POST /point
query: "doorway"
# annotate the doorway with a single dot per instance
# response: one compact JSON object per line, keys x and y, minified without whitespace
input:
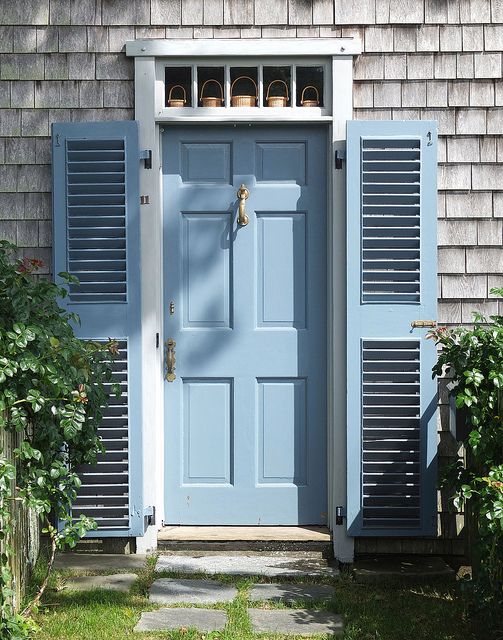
{"x":245,"y":324}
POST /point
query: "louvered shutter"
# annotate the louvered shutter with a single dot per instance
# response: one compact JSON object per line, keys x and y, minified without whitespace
{"x":391,"y":282}
{"x":97,"y":239}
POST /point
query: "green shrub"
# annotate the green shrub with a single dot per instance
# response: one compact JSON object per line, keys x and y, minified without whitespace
{"x":52,"y":392}
{"x":473,"y":357}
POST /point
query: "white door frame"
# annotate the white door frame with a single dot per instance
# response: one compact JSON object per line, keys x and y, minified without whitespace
{"x":149,"y":88}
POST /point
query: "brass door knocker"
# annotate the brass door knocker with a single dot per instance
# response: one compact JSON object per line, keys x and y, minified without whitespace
{"x":242,"y":194}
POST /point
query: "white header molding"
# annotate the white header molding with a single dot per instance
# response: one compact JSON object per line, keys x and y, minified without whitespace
{"x":244,"y":47}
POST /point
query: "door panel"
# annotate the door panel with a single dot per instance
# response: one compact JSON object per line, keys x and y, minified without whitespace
{"x":206,"y":299}
{"x":246,"y":413}
{"x":281,"y":273}
{"x":207,"y":428}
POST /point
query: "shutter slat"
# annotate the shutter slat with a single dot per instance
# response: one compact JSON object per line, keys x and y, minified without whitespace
{"x":378,"y":452}
{"x":96,"y":177}
{"x":392,"y":166}
{"x":115,"y":460}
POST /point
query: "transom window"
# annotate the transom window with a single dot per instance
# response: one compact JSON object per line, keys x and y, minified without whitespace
{"x":214,"y":87}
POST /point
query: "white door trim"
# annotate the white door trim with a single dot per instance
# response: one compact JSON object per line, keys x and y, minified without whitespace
{"x":238,"y":47}
{"x":150,"y":125}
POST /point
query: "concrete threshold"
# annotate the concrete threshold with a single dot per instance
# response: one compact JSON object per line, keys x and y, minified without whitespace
{"x":243,"y":534}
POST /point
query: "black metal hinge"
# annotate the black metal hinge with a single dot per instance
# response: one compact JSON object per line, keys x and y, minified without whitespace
{"x":149,"y":513}
{"x":340,"y":155}
{"x":340,"y":514}
{"x":146,"y":156}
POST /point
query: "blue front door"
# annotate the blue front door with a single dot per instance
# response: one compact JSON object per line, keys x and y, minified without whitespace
{"x":246,"y":306}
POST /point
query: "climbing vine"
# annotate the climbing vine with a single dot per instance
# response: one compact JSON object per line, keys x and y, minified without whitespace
{"x":53,"y":387}
{"x":473,"y":357}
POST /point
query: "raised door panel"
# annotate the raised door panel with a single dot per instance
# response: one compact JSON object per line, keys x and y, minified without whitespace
{"x":206,"y":270}
{"x":281,"y":279}
{"x":207,"y":431}
{"x":206,"y":162}
{"x":282,"y":437}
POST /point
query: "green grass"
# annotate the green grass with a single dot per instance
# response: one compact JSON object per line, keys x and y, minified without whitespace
{"x":384,"y":611}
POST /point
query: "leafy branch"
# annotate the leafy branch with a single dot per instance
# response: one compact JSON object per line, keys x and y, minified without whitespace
{"x":53,"y":388}
{"x":473,"y":358}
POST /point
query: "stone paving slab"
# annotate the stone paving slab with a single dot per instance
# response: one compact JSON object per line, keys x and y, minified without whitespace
{"x":302,"y":622}
{"x":116,"y":582}
{"x":100,"y":561}
{"x":258,"y":565}
{"x":171,"y":619}
{"x":289,"y":593}
{"x":171,"y":591}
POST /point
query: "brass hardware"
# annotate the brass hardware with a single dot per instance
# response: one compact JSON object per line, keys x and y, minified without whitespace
{"x":420,"y":324}
{"x":170,"y":360}
{"x":242,"y":194}
{"x":171,"y":308}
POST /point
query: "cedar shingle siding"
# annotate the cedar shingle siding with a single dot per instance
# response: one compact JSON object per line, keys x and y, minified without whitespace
{"x":63,"y":60}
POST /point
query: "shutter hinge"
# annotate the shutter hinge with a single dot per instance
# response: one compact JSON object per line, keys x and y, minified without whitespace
{"x":340,"y":155}
{"x":149,"y":513}
{"x":340,"y":514}
{"x":157,"y":341}
{"x":146,"y":156}
{"x":144,"y":199}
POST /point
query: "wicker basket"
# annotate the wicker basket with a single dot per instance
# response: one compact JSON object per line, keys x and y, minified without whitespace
{"x":310,"y":102}
{"x":212,"y":101}
{"x":242,"y":100}
{"x":177,"y":102}
{"x":277,"y":101}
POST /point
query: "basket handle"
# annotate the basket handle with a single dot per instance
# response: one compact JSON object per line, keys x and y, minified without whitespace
{"x":246,"y":78}
{"x":178,"y":86}
{"x":217,"y":82}
{"x":282,"y":82}
{"x":309,"y":86}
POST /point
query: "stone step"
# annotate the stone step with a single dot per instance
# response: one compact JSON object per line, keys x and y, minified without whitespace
{"x":114,"y":582}
{"x":256,"y":546}
{"x":298,"y":622}
{"x":177,"y":591}
{"x":223,"y":540}
{"x":173,"y":619}
{"x":99,"y":561}
{"x":279,"y":565}
{"x":305,"y":622}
